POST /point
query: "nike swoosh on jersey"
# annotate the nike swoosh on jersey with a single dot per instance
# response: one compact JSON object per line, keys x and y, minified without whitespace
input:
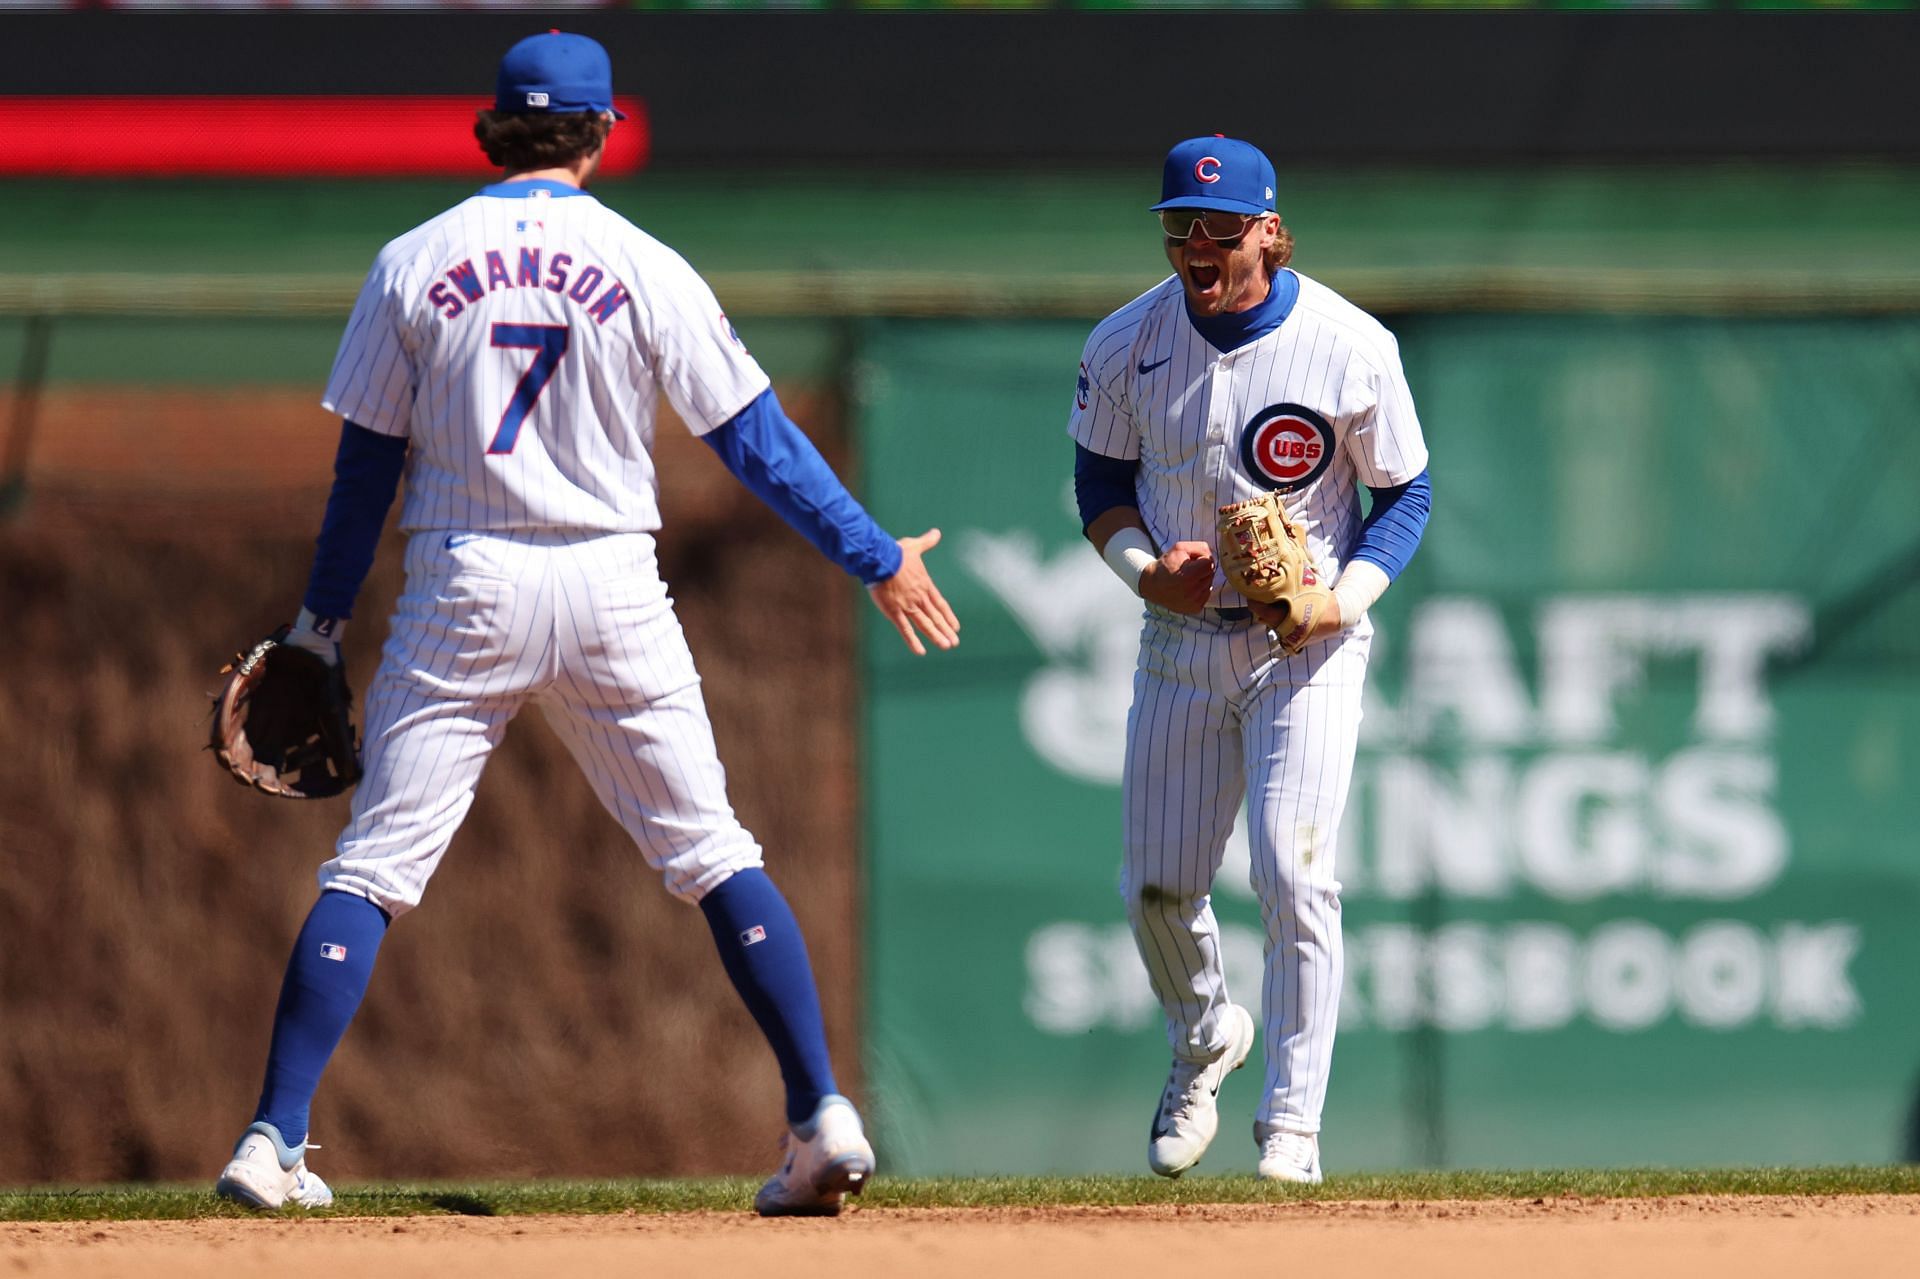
{"x":1146,"y":368}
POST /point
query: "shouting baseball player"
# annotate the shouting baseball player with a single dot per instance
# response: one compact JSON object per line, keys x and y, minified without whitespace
{"x":507,"y":355}
{"x":1236,"y":378}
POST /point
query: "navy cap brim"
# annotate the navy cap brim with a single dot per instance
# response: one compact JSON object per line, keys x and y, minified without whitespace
{"x":1211,"y":202}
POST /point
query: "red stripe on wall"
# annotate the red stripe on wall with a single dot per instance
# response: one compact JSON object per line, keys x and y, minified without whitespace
{"x":267,"y":137}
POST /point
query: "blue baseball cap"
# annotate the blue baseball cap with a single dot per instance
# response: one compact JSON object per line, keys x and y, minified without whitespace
{"x":1217,"y":172}
{"x":555,"y":71}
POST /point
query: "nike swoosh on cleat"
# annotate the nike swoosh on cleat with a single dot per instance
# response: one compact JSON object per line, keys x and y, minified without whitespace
{"x":1146,"y":368}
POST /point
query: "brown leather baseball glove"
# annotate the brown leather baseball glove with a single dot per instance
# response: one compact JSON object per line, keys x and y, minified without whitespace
{"x":1264,"y":557}
{"x":283,"y":722}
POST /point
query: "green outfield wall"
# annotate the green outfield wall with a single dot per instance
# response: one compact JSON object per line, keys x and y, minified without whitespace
{"x":1839,"y":221}
{"x":1630,"y":871}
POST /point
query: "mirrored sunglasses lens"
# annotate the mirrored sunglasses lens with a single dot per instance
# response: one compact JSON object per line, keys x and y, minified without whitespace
{"x":1178,"y":223}
{"x":1224,"y":226}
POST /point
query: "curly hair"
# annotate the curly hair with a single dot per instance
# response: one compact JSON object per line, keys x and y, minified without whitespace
{"x":521,"y":142}
{"x":1280,"y":252}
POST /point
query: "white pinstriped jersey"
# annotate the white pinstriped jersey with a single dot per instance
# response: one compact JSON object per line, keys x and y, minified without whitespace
{"x":1313,"y":409}
{"x":520,"y":342}
{"x":1221,"y":713}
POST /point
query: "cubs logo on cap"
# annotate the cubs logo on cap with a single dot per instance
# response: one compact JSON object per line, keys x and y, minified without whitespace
{"x":1286,"y":445}
{"x":555,"y":71}
{"x":1217,"y":172}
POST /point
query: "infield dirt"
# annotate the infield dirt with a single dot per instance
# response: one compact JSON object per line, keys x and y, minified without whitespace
{"x":1679,"y":1238}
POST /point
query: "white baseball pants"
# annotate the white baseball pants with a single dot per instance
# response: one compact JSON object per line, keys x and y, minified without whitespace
{"x":580,"y":623}
{"x":1220,"y":712}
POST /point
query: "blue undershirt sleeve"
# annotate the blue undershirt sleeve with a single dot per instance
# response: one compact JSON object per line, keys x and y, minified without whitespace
{"x":1101,"y":483}
{"x":1393,"y":528}
{"x":779,"y":465}
{"x":366,"y":474}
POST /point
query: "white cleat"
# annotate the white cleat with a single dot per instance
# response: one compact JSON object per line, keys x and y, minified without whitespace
{"x":1288,"y":1156}
{"x":266,"y":1173}
{"x":828,"y":1157}
{"x":1189,"y":1113}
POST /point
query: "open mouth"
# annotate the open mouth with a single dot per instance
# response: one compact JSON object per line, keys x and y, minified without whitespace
{"x":1203,"y":275}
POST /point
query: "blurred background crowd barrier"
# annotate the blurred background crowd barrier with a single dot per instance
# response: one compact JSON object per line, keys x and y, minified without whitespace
{"x":1629,"y":866}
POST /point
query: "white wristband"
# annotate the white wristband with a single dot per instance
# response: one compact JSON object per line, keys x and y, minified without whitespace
{"x":1361,"y":583}
{"x":1128,"y":553}
{"x":327,"y":628}
{"x":318,"y":635}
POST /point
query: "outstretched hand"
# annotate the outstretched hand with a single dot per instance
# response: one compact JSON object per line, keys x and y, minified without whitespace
{"x":910,"y":600}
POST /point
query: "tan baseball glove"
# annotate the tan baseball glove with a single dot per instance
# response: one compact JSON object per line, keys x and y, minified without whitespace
{"x":1264,"y":557}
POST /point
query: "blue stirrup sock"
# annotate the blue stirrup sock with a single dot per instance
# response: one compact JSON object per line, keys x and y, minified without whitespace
{"x":763,"y":952}
{"x":325,"y":981}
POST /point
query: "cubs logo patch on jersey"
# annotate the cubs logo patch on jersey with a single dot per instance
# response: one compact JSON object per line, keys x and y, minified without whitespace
{"x":1286,"y":446}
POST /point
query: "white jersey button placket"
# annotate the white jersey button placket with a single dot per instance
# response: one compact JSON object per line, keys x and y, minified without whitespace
{"x":1219,"y":428}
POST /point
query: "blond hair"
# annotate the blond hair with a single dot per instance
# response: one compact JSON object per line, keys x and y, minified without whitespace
{"x":1280,"y":252}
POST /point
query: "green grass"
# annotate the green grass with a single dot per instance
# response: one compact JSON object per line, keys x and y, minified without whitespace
{"x":735,"y":1194}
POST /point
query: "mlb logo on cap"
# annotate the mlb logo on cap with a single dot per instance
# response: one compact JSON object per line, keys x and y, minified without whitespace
{"x":555,"y":71}
{"x":1217,"y":173}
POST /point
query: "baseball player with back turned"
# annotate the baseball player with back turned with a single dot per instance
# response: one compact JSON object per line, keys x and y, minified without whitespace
{"x":508,"y":355}
{"x":1235,"y":377}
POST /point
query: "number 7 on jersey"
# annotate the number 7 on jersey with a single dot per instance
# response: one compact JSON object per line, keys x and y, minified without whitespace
{"x":548,"y":342}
